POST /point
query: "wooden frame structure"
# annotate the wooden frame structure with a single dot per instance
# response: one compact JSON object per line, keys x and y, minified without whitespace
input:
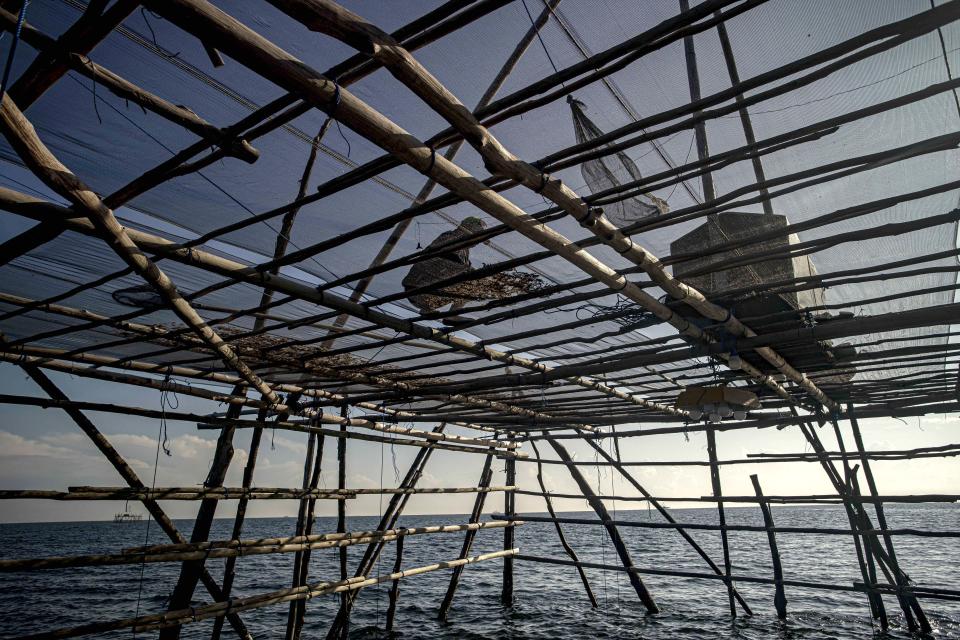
{"x":500,"y":402}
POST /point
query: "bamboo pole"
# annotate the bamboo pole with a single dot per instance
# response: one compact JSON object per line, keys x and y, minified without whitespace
{"x":80,"y":38}
{"x":35,"y":208}
{"x":563,"y":539}
{"x":236,"y":548}
{"x":718,"y":494}
{"x":178,"y":115}
{"x":903,"y":581}
{"x":485,"y":477}
{"x":190,"y":570}
{"x":610,"y":526}
{"x":780,"y":598}
{"x":947,"y":594}
{"x":395,"y":587}
{"x":877,"y":609}
{"x":330,"y":18}
{"x":301,"y":529}
{"x":429,"y":186}
{"x":229,"y":566}
{"x":506,"y":593}
{"x":700,"y":129}
{"x":389,"y":518}
{"x":342,"y":526}
{"x":925,"y":533}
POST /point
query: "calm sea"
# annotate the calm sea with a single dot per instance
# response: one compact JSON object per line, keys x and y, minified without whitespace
{"x":549,"y":599}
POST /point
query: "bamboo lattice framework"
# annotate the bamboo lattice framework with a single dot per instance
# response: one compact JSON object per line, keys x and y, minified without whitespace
{"x":293,"y":314}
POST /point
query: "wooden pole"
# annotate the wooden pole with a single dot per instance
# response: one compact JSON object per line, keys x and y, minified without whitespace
{"x":387,"y":520}
{"x":342,"y":526}
{"x":604,"y":515}
{"x":780,"y":598}
{"x":485,"y":477}
{"x":190,"y":571}
{"x":229,"y":567}
{"x":395,"y":587}
{"x":718,"y":494}
{"x":301,"y":528}
{"x":700,"y":129}
{"x":509,"y":503}
{"x":23,"y":138}
{"x":902,"y":580}
{"x":745,"y":121}
{"x":876,"y":608}
{"x":563,"y":539}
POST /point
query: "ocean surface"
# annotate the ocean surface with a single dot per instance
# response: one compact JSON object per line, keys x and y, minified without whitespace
{"x":550,"y":602}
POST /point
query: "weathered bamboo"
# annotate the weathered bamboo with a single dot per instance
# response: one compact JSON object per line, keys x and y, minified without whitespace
{"x":210,"y":422}
{"x":237,"y":549}
{"x":609,"y":524}
{"x":229,"y":566}
{"x":877,"y":608}
{"x":780,"y":598}
{"x":563,"y":539}
{"x":925,"y":533}
{"x":485,"y":477}
{"x":80,"y":38}
{"x":35,"y":208}
{"x":301,"y":530}
{"x":429,"y":186}
{"x":806,"y":584}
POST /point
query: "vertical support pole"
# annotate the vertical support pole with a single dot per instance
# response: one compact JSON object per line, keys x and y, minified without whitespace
{"x":395,"y":587}
{"x":342,"y":527}
{"x":311,"y":518}
{"x":806,"y":429}
{"x":748,"y":133}
{"x":509,"y":506}
{"x":901,"y":579}
{"x":563,"y":539}
{"x":190,"y":570}
{"x":478,"y":502}
{"x":721,"y":514}
{"x":301,"y":528}
{"x":387,"y":521}
{"x":604,"y":516}
{"x":700,"y":129}
{"x":780,"y":598}
{"x":229,"y":568}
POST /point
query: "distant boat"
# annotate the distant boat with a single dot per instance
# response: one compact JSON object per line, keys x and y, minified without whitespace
{"x":126,"y":516}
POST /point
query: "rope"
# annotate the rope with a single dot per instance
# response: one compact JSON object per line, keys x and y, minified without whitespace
{"x":21,"y":18}
{"x":161,"y":442}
